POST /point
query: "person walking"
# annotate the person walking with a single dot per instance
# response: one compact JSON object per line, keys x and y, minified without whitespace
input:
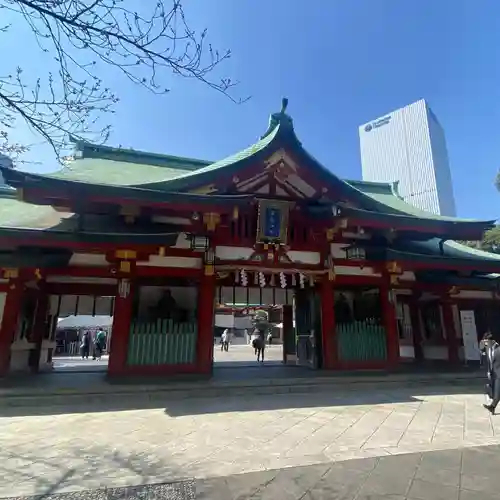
{"x":225,"y":339}
{"x":490,"y":350}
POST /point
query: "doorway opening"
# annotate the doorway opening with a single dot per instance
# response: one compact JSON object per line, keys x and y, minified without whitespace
{"x":290,"y":330}
{"x":80,"y":333}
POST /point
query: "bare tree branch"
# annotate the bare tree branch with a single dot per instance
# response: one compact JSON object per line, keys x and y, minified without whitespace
{"x":84,"y":35}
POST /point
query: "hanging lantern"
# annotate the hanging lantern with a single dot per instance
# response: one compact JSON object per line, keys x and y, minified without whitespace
{"x":354,"y":252}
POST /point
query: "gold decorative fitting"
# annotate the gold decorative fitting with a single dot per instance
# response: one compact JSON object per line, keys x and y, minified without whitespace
{"x":126,"y":254}
{"x":211,"y":220}
{"x":394,"y":279}
{"x":209,"y":270}
{"x":331,"y":274}
{"x":38,"y":274}
{"x":265,"y":246}
{"x":210,"y":188}
{"x":394,"y":267}
{"x":125,"y":266}
{"x":161,"y":251}
{"x":11,"y":273}
{"x":236,"y":213}
{"x":130,"y":211}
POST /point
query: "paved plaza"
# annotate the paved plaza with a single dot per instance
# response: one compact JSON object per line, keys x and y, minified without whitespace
{"x":420,"y":444}
{"x":244,"y":355}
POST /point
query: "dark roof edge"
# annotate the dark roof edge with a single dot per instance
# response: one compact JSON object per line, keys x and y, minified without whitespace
{"x":90,"y":150}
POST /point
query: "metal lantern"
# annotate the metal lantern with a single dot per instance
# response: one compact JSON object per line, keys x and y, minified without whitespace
{"x":199,"y":242}
{"x":354,"y":252}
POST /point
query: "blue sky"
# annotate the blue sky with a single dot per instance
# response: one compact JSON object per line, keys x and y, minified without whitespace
{"x":340,"y":63}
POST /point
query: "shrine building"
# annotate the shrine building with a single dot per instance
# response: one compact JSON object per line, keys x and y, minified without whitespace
{"x":158,"y":242}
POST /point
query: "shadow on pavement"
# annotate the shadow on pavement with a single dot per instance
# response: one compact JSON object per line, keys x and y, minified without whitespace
{"x":468,"y":473}
{"x":327,"y":396}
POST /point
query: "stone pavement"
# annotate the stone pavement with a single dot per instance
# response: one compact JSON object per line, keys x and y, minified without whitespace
{"x":242,"y":355}
{"x":280,"y":446}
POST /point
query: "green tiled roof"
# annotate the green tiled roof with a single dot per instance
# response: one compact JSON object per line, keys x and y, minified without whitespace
{"x":117,"y":173}
{"x":18,"y":214}
{"x":88,"y":150}
{"x":183,"y":180}
{"x":387,"y":195}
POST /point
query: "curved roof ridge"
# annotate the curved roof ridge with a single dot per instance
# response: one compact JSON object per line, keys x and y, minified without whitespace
{"x":260,"y":145}
{"x":387,"y":186}
{"x":455,"y":245}
{"x":81,"y":145}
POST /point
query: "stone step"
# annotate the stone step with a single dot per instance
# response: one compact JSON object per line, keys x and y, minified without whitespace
{"x":153,"y":394}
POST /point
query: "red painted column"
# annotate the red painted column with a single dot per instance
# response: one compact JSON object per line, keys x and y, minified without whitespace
{"x":10,"y":320}
{"x":451,"y":333}
{"x":415,"y":328}
{"x":391,"y":328}
{"x":205,"y":341}
{"x":39,"y":327}
{"x":328,"y":334}
{"x":122,"y":318}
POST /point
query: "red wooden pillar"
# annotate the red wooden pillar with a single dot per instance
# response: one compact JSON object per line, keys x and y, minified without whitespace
{"x":205,"y":341}
{"x":391,"y":327}
{"x":328,"y":334}
{"x":451,"y":332}
{"x":10,"y":320}
{"x":122,"y":318}
{"x":415,"y":327}
{"x":288,"y":334}
{"x":39,"y":327}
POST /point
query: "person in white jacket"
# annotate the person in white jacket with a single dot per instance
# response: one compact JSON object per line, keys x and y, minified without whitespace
{"x":225,"y":340}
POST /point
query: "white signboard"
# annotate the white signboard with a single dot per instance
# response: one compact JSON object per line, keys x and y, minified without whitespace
{"x":469,"y":334}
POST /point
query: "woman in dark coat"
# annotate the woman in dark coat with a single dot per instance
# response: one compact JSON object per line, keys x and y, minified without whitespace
{"x":85,"y":346}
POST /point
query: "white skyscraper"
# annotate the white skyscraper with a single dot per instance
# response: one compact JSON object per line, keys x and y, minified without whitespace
{"x":409,"y":146}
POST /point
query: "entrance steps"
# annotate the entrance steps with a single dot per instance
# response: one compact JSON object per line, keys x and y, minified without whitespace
{"x":94,"y":389}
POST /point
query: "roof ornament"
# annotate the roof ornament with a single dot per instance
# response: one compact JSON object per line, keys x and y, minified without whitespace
{"x":284,"y":105}
{"x":280,"y":118}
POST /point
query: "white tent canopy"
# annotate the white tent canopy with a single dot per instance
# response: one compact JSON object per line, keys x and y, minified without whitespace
{"x":84,"y":321}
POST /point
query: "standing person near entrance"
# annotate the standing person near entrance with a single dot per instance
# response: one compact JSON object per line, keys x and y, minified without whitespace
{"x":491,"y":351}
{"x":225,"y":340}
{"x":99,"y":343}
{"x":85,"y":345}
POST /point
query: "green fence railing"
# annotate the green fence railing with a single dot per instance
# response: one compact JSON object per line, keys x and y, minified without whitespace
{"x":162,"y":342}
{"x":360,"y":341}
